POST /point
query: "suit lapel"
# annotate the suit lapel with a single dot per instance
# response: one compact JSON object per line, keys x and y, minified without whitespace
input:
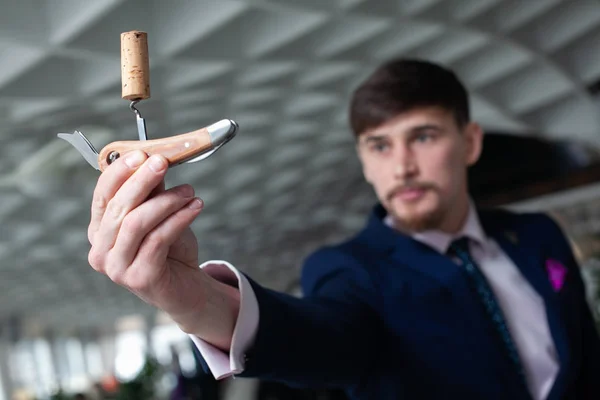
{"x":403,"y":250}
{"x":529,"y":258}
{"x":427,"y":261}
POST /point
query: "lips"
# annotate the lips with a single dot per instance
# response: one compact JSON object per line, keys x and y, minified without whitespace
{"x":409,"y":194}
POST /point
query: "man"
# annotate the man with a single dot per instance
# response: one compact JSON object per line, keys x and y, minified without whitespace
{"x":432,"y":299}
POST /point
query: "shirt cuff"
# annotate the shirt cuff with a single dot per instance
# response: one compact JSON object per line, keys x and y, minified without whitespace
{"x":221,"y":364}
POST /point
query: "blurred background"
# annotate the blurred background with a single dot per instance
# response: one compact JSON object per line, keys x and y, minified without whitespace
{"x":288,"y":183}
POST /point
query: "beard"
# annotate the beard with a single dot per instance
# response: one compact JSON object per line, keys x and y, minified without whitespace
{"x":412,"y":219}
{"x":416,"y":222}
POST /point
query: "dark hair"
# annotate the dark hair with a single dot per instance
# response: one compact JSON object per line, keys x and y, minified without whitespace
{"x":401,"y":85}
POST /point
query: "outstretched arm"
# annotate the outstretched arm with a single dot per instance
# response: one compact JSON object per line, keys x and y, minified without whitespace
{"x":141,"y":240}
{"x":331,"y":337}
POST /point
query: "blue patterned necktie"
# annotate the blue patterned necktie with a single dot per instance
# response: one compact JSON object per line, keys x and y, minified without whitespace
{"x":460,"y":249}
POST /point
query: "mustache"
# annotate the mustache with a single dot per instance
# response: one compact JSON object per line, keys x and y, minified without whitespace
{"x":409,"y":186}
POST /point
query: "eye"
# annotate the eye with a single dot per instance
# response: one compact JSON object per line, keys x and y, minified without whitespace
{"x":423,"y":137}
{"x":380,"y":147}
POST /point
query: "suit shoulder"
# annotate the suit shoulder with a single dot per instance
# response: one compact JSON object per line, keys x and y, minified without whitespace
{"x":535,"y":219}
{"x":342,"y":259}
{"x":539,"y":221}
{"x":540,"y":227}
{"x":344,"y":252}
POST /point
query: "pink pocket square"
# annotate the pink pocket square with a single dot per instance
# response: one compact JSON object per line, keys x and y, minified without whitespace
{"x":557,"y":273}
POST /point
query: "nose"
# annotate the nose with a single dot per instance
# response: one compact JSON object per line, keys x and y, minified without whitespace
{"x":406,"y":166}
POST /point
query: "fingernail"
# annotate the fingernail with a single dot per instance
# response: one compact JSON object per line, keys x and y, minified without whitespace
{"x":196,"y":204}
{"x":157,"y":163}
{"x":134,"y":159}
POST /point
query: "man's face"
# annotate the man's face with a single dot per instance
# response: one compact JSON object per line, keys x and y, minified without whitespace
{"x":417,"y":164}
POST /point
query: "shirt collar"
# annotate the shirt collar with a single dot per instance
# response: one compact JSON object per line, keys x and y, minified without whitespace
{"x":440,"y":241}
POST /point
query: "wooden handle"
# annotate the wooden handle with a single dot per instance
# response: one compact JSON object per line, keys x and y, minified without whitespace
{"x":135,"y":66}
{"x":176,"y":149}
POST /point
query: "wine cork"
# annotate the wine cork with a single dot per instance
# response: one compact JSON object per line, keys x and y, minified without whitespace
{"x":135,"y":66}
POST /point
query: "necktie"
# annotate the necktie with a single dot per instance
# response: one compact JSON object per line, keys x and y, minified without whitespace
{"x":460,"y":249}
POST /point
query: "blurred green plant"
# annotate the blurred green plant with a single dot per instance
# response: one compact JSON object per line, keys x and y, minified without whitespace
{"x":143,"y":386}
{"x":60,"y":395}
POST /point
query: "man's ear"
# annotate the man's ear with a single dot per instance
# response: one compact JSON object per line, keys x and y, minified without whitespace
{"x":474,"y":143}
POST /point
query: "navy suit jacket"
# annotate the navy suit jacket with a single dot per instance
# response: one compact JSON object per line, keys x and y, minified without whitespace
{"x":386,"y":317}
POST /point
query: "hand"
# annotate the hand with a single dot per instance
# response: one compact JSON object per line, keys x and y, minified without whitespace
{"x":141,"y":240}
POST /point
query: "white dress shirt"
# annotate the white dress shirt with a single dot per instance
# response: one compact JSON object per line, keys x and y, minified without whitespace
{"x":523,"y":309}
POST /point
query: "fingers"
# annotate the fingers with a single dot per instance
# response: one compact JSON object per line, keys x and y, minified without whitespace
{"x":109,"y":182}
{"x":117,"y":195}
{"x":155,"y":246}
{"x":131,"y":194}
{"x":157,"y":190}
{"x":143,"y":219}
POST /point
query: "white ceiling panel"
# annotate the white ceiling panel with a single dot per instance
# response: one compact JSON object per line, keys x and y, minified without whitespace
{"x":283,"y":69}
